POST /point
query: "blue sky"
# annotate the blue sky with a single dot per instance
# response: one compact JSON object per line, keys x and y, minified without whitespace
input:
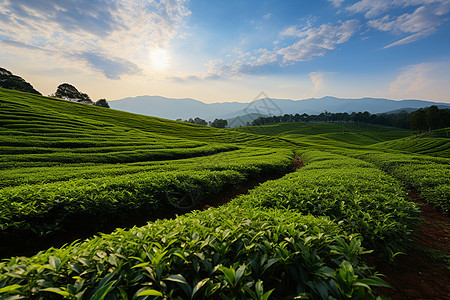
{"x":218,"y":51}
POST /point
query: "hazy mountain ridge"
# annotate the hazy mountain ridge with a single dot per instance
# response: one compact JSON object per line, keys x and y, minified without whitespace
{"x":186,"y":108}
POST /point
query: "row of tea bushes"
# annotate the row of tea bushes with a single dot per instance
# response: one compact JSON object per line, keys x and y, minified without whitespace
{"x":353,"y":193}
{"x":227,"y":253}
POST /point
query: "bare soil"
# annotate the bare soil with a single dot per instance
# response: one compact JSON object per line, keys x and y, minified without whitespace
{"x":421,"y":274}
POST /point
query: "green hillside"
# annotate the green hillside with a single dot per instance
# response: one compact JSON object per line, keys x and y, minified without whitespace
{"x":50,"y":117}
{"x":338,"y":134}
{"x":336,"y":192}
{"x":437,"y":144}
{"x":62,"y":162}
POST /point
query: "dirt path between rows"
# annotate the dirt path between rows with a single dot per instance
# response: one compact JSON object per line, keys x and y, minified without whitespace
{"x":419,"y":274}
{"x":225,"y":198}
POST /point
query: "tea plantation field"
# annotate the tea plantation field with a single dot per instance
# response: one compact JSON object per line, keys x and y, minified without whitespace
{"x":70,"y":170}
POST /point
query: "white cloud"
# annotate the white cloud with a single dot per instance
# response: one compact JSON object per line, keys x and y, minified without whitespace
{"x":426,"y":16}
{"x":315,"y":41}
{"x":245,"y":63}
{"x":422,"y":81}
{"x":336,"y":3}
{"x":267,"y":16}
{"x":423,"y":18}
{"x":412,"y":38}
{"x":371,"y":8}
{"x":121,"y":32}
{"x":311,"y":42}
{"x":317,"y":78}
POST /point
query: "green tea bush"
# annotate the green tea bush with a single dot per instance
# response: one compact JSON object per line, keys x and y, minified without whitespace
{"x":47,"y":208}
{"x":227,"y":253}
{"x":355,"y":194}
{"x":429,"y":175}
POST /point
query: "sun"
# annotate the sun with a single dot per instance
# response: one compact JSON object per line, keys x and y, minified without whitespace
{"x":159,"y":58}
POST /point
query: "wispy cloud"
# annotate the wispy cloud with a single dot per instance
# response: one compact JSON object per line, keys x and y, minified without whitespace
{"x":112,"y":68}
{"x":122,"y":31}
{"x":425,"y":80}
{"x":308,"y":43}
{"x":413,"y":78}
{"x":412,"y":38}
{"x":317,"y":78}
{"x":267,"y":16}
{"x":336,"y":3}
{"x":316,"y":41}
{"x":17,"y":44}
{"x":422,"y":21}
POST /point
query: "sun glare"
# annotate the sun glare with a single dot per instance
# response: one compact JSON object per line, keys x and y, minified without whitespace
{"x":159,"y":58}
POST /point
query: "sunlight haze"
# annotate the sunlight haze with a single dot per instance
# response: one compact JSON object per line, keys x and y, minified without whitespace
{"x":217,"y":51}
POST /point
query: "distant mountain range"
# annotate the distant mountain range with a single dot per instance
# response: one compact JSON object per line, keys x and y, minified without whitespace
{"x":186,"y":108}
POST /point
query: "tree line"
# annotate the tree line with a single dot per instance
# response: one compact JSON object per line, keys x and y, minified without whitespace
{"x":217,"y":123}
{"x":429,"y":118}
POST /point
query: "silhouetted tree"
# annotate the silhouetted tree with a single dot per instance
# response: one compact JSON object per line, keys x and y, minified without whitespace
{"x":433,"y":118}
{"x":219,"y":123}
{"x":199,"y":121}
{"x":418,"y":120}
{"x":69,"y":92}
{"x":102,"y":102}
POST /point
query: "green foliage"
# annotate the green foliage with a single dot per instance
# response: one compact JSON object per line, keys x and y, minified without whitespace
{"x":219,"y":123}
{"x":53,"y":121}
{"x":13,"y":82}
{"x":120,"y":194}
{"x":330,"y":134}
{"x":420,"y":144}
{"x":69,"y":92}
{"x":228,"y":252}
{"x":66,"y":166}
{"x":102,"y":103}
{"x":429,"y":175}
{"x":355,"y":194}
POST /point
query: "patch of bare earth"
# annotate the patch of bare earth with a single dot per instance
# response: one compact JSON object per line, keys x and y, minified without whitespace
{"x":419,"y":275}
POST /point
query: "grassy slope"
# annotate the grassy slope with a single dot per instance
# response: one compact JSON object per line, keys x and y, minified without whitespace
{"x":436,"y":144}
{"x":35,"y":128}
{"x":333,"y":134}
{"x":62,"y":161}
{"x":59,"y":116}
{"x":420,"y":162}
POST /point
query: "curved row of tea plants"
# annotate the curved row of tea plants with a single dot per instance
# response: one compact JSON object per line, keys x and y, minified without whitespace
{"x":48,"y":121}
{"x":135,"y":155}
{"x":228,"y":253}
{"x":43,"y":209}
{"x":429,"y":175}
{"x":420,"y":145}
{"x":251,"y":162}
{"x":354,"y":193}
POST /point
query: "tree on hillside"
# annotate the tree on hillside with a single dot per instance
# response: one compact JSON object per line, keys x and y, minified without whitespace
{"x":418,"y":120}
{"x":102,"y":102}
{"x":69,"y":92}
{"x":433,"y":118}
{"x":199,"y":121}
{"x":445,"y":117}
{"x":13,"y":82}
{"x":219,"y":123}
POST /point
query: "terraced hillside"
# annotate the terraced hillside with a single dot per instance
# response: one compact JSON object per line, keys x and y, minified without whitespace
{"x":63,"y":162}
{"x":329,"y":134}
{"x":69,"y":168}
{"x":435,"y":144}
